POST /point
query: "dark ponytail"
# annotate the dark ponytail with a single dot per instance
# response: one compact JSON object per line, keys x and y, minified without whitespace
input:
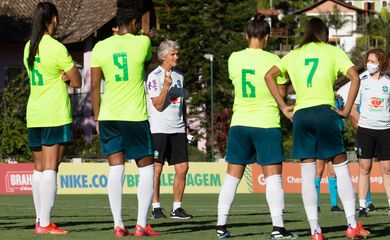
{"x":43,"y":15}
{"x":257,"y":27}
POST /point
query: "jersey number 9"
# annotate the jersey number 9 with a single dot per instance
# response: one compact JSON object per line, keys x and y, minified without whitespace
{"x":120,"y":60}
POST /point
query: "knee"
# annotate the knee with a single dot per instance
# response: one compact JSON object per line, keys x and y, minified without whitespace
{"x":364,"y":170}
{"x":181,"y":171}
{"x":385,"y":170}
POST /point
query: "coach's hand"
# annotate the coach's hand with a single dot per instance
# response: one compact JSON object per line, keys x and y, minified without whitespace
{"x":167,"y":81}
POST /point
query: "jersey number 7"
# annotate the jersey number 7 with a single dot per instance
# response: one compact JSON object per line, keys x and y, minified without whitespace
{"x":312,"y":71}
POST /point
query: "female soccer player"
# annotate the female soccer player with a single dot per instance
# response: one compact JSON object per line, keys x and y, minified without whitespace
{"x":254,"y":135}
{"x":313,"y":68}
{"x":49,"y":115}
{"x":121,"y":113}
{"x":373,"y":132}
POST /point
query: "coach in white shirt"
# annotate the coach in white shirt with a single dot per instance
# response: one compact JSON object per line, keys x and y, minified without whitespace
{"x":166,"y":108}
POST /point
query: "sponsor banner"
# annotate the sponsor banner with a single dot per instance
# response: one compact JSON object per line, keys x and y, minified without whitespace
{"x":292,"y":178}
{"x":92,"y":178}
{"x":16,"y":178}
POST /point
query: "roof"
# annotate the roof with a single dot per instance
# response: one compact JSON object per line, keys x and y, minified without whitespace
{"x":338,"y":2}
{"x":79,"y":19}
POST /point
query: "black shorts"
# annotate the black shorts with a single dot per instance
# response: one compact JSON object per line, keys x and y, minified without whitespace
{"x":371,"y":142}
{"x":171,"y":147}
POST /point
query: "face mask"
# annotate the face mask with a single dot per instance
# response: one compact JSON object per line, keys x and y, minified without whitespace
{"x":372,"y":68}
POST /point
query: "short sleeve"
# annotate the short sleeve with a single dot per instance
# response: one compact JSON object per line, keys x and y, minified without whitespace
{"x":63,"y":58}
{"x":343,"y":62}
{"x":281,"y":80}
{"x":231,"y":66}
{"x":94,"y":57}
{"x":152,"y":86}
{"x":282,"y":64}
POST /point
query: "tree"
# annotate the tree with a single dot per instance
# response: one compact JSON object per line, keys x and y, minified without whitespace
{"x":13,"y":130}
{"x":378,"y":27}
{"x":214,"y":27}
{"x":335,"y":20}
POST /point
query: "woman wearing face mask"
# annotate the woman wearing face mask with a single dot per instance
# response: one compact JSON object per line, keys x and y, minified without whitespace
{"x":373,"y":132}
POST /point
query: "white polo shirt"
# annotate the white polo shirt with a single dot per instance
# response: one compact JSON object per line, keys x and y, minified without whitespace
{"x":170,"y":119}
{"x":374,"y":101}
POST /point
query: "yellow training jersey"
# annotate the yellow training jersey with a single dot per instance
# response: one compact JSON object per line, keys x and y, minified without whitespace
{"x":254,"y":105}
{"x":48,"y":104}
{"x":122,"y":58}
{"x":313,"y":69}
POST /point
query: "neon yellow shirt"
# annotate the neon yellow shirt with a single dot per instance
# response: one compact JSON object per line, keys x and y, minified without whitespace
{"x":254,"y":105}
{"x":313,"y":69}
{"x":122,"y":58}
{"x":48,"y":104}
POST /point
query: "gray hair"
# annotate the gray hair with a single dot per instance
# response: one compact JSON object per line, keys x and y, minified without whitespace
{"x":165,"y":47}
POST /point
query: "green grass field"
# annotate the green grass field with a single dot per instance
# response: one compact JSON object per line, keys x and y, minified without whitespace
{"x":89,"y":217}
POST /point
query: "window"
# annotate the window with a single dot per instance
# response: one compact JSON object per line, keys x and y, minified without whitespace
{"x":384,"y":3}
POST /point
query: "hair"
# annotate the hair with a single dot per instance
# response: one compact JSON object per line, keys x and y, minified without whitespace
{"x":165,"y":47}
{"x":127,"y":10}
{"x":381,"y":55}
{"x":315,"y":31}
{"x":257,"y":27}
{"x":43,"y":15}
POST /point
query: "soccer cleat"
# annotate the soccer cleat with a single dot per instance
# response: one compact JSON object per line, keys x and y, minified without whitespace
{"x":282,"y":233}
{"x":121,"y":232}
{"x":358,"y":232}
{"x":157,"y":213}
{"x":370,"y":207}
{"x":318,"y":209}
{"x":388,"y":214}
{"x":51,"y":229}
{"x":317,"y":236}
{"x":222,"y":232}
{"x":180,"y":213}
{"x":363,"y":212}
{"x":146,"y":231}
{"x":336,"y":209}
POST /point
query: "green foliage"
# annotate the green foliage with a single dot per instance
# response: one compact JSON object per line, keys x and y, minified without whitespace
{"x":13,"y":130}
{"x":334,"y":19}
{"x":378,"y":27}
{"x":83,"y":148}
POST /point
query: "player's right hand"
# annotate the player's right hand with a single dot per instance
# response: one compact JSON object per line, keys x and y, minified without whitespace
{"x":288,"y":111}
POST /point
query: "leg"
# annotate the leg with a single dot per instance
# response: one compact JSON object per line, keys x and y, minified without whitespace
{"x":309,"y":196}
{"x":385,"y":168}
{"x":179,"y":182}
{"x":51,"y":157}
{"x":332,"y":186}
{"x":274,"y":193}
{"x":233,"y":176}
{"x":36,"y":180}
{"x":365,"y":166}
{"x":145,"y":188}
{"x":158,"y":167}
{"x":319,"y":171}
{"x":345,"y":187}
{"x":114,"y":188}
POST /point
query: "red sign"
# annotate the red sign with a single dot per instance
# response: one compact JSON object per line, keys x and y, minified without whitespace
{"x":292,"y":178}
{"x":16,"y":178}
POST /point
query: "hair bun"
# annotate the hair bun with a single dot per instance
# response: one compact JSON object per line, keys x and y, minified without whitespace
{"x":258,"y":17}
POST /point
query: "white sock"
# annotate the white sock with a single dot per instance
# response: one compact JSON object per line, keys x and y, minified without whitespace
{"x":145,"y":193}
{"x":362,"y":203}
{"x":36,"y":182}
{"x":275,"y":198}
{"x":47,"y":190}
{"x":114,"y":188}
{"x":309,"y":195}
{"x":389,"y":202}
{"x":156,"y":205}
{"x":346,"y":191}
{"x":176,"y":205}
{"x":226,"y":198}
